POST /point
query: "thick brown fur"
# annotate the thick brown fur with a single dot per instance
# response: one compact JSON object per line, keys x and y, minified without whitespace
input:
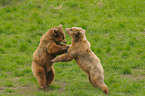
{"x":85,"y":58}
{"x":48,"y":48}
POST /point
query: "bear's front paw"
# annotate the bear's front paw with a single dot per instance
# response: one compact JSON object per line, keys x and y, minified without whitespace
{"x":43,"y":87}
{"x":67,"y":49}
{"x":51,"y":62}
{"x":68,"y":46}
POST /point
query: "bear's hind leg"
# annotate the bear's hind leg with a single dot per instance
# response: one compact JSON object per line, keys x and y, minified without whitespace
{"x":41,"y":76}
{"x":50,"y":76}
{"x":91,"y":80}
{"x":98,"y":81}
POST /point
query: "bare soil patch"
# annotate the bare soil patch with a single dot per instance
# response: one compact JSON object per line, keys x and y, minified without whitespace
{"x":137,"y":74}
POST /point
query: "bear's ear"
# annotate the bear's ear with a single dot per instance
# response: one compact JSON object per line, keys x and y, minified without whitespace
{"x":84,"y":31}
{"x":79,"y":33}
{"x":55,"y":30}
{"x":60,"y":25}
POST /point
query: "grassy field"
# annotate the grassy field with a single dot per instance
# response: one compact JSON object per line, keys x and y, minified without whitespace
{"x":115,"y":29}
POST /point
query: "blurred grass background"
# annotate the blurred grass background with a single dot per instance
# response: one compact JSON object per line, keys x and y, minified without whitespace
{"x":115,"y":29}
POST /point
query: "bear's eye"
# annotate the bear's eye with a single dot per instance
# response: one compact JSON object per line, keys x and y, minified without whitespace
{"x":63,"y":37}
{"x":70,"y":29}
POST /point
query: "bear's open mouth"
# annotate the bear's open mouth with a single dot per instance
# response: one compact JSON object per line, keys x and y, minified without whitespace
{"x":60,"y":43}
{"x":57,"y":43}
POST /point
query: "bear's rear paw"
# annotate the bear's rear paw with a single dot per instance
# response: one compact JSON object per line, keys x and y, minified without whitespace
{"x":43,"y":87}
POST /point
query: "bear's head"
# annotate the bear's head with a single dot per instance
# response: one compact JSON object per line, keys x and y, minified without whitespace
{"x":76,"y":33}
{"x":58,"y":34}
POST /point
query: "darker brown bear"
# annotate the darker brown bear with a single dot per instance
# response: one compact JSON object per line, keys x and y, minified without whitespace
{"x":48,"y":48}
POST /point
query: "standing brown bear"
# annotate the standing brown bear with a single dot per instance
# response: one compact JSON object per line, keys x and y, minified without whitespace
{"x":85,"y":58}
{"x":48,"y":48}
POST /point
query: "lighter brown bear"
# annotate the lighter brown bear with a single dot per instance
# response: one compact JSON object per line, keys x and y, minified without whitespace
{"x":48,"y":48}
{"x":85,"y":58}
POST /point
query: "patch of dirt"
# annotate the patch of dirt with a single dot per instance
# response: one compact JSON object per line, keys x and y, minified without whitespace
{"x":137,"y":74}
{"x":143,"y":32}
{"x":29,"y":89}
{"x":123,"y":94}
{"x":26,"y":90}
{"x":2,"y":89}
{"x":62,"y":84}
{"x":100,"y":4}
{"x":58,"y":7}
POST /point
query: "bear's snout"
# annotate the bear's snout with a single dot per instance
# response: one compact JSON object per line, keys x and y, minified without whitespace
{"x":66,"y":29}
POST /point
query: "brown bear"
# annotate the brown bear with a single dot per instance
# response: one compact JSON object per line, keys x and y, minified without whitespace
{"x":50,"y":46}
{"x":85,"y":58}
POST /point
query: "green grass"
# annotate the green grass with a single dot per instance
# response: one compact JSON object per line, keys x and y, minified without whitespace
{"x":115,"y":29}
